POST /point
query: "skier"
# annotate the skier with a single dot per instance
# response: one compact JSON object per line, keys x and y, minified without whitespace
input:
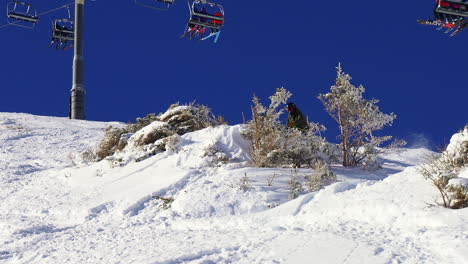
{"x":195,"y":29}
{"x":453,"y":23}
{"x":448,"y":18}
{"x":215,"y":21}
{"x":296,"y":118}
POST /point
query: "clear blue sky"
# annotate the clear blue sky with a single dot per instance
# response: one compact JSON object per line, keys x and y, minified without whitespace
{"x":136,"y":63}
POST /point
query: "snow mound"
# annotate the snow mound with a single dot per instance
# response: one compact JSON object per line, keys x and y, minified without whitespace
{"x":458,"y":149}
{"x":174,"y":112}
{"x":130,"y":189}
{"x":459,"y":182}
{"x":156,"y":134}
{"x":142,"y":134}
{"x":458,"y":144}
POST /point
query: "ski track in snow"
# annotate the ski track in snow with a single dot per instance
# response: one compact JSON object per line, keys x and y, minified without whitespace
{"x":55,"y":212}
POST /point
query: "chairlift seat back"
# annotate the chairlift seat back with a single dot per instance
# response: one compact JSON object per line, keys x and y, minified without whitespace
{"x":204,"y":24}
{"x":446,"y":7}
{"x":212,"y":17}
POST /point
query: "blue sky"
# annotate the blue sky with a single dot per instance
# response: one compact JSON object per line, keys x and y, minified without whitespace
{"x":136,"y":64}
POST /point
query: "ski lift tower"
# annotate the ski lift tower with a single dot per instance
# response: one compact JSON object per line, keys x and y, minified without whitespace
{"x":77,"y":99}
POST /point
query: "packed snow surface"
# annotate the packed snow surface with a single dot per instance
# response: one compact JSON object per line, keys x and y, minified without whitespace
{"x":202,"y":202}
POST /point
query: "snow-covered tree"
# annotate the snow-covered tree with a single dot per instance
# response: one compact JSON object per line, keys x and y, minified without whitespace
{"x":357,"y":118}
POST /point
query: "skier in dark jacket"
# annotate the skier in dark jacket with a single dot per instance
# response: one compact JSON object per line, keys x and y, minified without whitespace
{"x":296,"y":118}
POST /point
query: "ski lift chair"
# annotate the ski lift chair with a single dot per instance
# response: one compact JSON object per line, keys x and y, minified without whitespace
{"x":155,"y":4}
{"x":21,"y":14}
{"x":206,"y":19}
{"x":63,"y":34}
{"x":452,"y":7}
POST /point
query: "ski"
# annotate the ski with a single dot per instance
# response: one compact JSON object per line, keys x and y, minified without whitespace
{"x":460,"y":25}
{"x":432,"y":22}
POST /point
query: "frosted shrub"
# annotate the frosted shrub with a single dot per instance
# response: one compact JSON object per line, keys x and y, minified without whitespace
{"x":177,"y":120}
{"x":165,"y":202}
{"x":440,"y":171}
{"x":275,"y":145}
{"x":372,"y":162}
{"x":265,"y":129}
{"x":141,"y":122}
{"x":110,"y":143}
{"x":155,"y":134}
{"x":88,"y":156}
{"x":459,"y":196}
{"x":443,"y":172}
{"x":172,"y":143}
{"x":357,"y":118}
{"x":458,"y":148}
{"x":321,"y":176}
{"x":298,"y":148}
{"x":216,"y":156}
{"x":462,"y":158}
{"x":295,"y":187}
{"x":191,"y":117}
{"x":245,"y":184}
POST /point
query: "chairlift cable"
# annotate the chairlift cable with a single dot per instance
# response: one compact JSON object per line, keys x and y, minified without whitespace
{"x":41,"y":14}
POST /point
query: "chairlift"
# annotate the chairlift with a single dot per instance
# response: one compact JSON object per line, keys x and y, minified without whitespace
{"x":21,"y":14}
{"x":63,"y":32}
{"x":163,"y":5}
{"x":205,"y":15}
{"x":452,"y":7}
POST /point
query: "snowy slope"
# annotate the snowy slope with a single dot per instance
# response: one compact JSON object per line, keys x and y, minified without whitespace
{"x":56,"y":210}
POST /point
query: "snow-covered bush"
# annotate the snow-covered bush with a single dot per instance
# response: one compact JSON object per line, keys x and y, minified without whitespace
{"x":187,"y":118}
{"x":357,"y":118}
{"x":264,"y":129}
{"x":88,"y":156}
{"x":216,"y":156}
{"x":294,"y":186}
{"x":444,"y":172}
{"x":273,"y":144}
{"x":458,"y":190}
{"x":298,"y":148}
{"x":164,"y":202}
{"x":244,"y":183}
{"x":111,"y":142}
{"x":153,"y":134}
{"x":321,"y":176}
{"x":172,"y":143}
{"x":141,"y":122}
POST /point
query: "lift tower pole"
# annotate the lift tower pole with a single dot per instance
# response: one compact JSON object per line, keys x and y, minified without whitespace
{"x":77,"y":99}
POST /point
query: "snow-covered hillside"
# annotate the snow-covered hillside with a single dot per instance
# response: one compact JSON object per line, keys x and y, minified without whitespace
{"x":186,"y":205}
